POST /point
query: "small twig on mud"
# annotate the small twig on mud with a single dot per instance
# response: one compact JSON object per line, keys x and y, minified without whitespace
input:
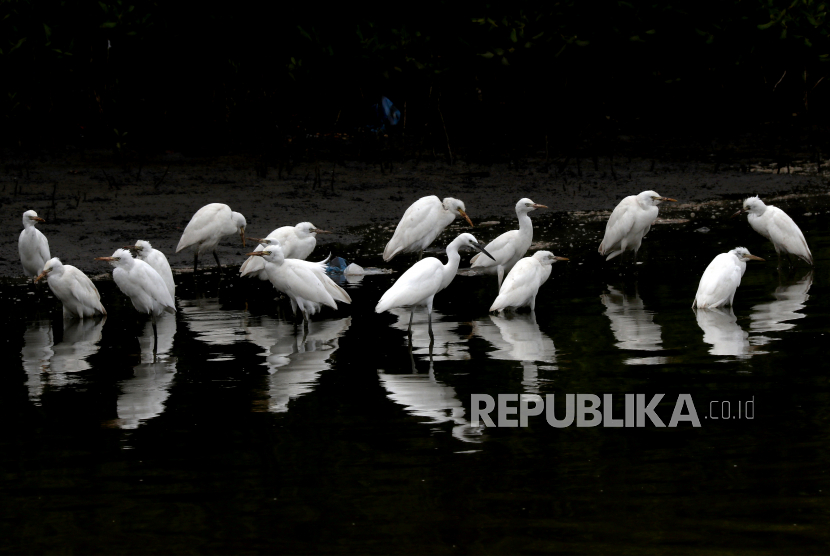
{"x":779,"y":81}
{"x":157,"y":181}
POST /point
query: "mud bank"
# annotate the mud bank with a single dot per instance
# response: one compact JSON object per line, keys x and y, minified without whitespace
{"x":92,"y":207}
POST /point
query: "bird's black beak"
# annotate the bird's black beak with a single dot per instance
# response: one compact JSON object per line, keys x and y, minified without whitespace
{"x":481,"y":248}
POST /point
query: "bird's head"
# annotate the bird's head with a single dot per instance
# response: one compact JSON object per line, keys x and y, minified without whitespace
{"x":305,"y":229}
{"x":652,"y":198}
{"x":468,"y":240}
{"x":121,"y":257}
{"x":30,"y":217}
{"x":241,"y":224}
{"x":53,"y":265}
{"x":526,"y":205}
{"x":753,"y":205}
{"x":457,"y":209}
{"x":140,"y":248}
{"x":743,"y":254}
{"x":271,"y":253}
{"x":546,"y":257}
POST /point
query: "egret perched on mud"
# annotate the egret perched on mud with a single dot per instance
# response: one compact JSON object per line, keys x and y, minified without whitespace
{"x":511,"y":246}
{"x":79,"y":296}
{"x":143,"y":285}
{"x":209,"y":225}
{"x":523,"y":282}
{"x":721,"y":278}
{"x":297,"y":242}
{"x":422,"y":222}
{"x":629,"y":223}
{"x":32,"y":245}
{"x":305,"y":283}
{"x":155,"y":258}
{"x":777,"y":226}
{"x":418,"y":285}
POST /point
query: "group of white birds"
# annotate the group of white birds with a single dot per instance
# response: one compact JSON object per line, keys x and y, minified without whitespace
{"x":144,"y":275}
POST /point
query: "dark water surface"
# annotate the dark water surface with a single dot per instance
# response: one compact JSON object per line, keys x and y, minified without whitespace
{"x":245,"y":437}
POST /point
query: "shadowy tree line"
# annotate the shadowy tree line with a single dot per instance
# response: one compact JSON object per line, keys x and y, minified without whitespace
{"x":470,"y":79}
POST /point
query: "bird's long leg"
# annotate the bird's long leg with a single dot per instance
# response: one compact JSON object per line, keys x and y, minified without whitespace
{"x":421,"y":256}
{"x":195,"y":260}
{"x":409,"y":330}
{"x":155,"y":335}
{"x":500,"y":271}
{"x":218,"y":264}
{"x":411,"y":357}
{"x":431,"y":337}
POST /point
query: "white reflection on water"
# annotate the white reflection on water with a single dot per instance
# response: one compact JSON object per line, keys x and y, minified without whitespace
{"x":142,"y":396}
{"x":633,"y":326}
{"x":47,"y":363}
{"x":721,"y":330}
{"x":294,"y":363}
{"x":517,"y":337}
{"x":213,"y":325}
{"x":776,"y":316}
{"x":449,"y":345}
{"x":424,"y":396}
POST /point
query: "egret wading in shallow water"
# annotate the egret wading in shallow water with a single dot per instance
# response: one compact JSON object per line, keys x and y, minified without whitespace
{"x":155,"y":258}
{"x":523,"y":282}
{"x":79,"y":296}
{"x":418,"y":285}
{"x":305,"y":283}
{"x":509,"y":247}
{"x":143,"y":285}
{"x":629,"y":223}
{"x":32,"y":245}
{"x":777,"y":226}
{"x":721,"y":278}
{"x":209,"y":225}
{"x":422,"y":222}
{"x":297,"y":242}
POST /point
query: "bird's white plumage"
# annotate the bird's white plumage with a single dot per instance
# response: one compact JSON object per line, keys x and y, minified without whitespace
{"x":158,"y":261}
{"x":510,"y":246}
{"x":721,"y":279}
{"x":142,"y":284}
{"x":422,"y":222}
{"x":209,"y":225}
{"x":297,"y":242}
{"x":630,"y":221}
{"x":522,"y":284}
{"x":32,"y":245}
{"x":419,"y":284}
{"x":777,"y":226}
{"x":77,"y":293}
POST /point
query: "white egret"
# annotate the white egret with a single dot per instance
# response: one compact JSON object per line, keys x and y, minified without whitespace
{"x":143,"y":285}
{"x":297,"y":242}
{"x":721,"y":278}
{"x":777,"y":226}
{"x":422,"y":222}
{"x":155,"y":258}
{"x":418,"y":285}
{"x":629,"y":223}
{"x":305,"y":283}
{"x":209,"y":225}
{"x":511,"y":246}
{"x":79,"y":296}
{"x":32,"y":245}
{"x":523,"y":282}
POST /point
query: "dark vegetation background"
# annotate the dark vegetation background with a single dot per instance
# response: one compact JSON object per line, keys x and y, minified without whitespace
{"x":474,"y":82}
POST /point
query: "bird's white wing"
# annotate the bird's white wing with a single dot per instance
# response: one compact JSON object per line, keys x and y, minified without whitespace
{"x":319,"y":269}
{"x":159,"y":262}
{"x":503,"y":248}
{"x":253,"y":263}
{"x":785,"y":231}
{"x":421,"y":219}
{"x":719,"y":282}
{"x":619,"y":224}
{"x":300,"y":280}
{"x":83,"y":289}
{"x":520,"y":285}
{"x":42,"y":246}
{"x":204,"y":224}
{"x":423,"y":279}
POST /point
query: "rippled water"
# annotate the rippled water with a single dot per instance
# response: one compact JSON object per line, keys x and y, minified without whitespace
{"x":245,"y":435}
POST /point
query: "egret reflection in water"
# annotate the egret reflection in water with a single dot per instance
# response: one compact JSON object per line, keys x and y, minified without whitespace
{"x":449,"y":345}
{"x":294,"y":361}
{"x":633,"y":326}
{"x":213,"y":325}
{"x":721,"y":330}
{"x":517,"y":337}
{"x":47,"y":363}
{"x":143,"y":396}
{"x":777,"y":316}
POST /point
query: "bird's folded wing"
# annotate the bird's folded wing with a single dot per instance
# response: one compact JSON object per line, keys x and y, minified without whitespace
{"x":619,"y":224}
{"x":302,"y":282}
{"x":203,"y":225}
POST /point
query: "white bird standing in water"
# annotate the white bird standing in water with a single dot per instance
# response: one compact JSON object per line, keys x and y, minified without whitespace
{"x":32,"y":245}
{"x":297,"y":242}
{"x":509,"y":247}
{"x":629,"y":223}
{"x":305,"y":283}
{"x":523,"y":282}
{"x":422,"y":222}
{"x":79,"y":296}
{"x":209,"y":225}
{"x":155,"y":258}
{"x":143,"y":285}
{"x":777,"y":226}
{"x":418,"y":285}
{"x":721,"y":278}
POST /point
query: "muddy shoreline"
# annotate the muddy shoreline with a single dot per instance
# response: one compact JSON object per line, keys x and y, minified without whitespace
{"x":93,"y":207}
